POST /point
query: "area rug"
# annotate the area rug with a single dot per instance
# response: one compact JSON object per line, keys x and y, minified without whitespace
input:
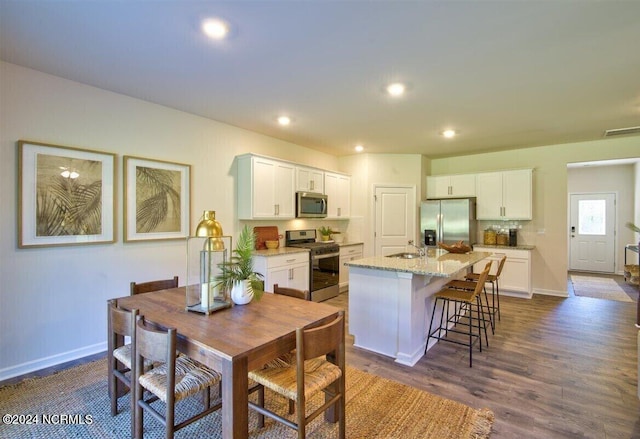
{"x":74,"y":403}
{"x":599,"y":288}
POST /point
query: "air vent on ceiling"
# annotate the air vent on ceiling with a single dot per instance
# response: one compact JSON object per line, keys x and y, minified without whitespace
{"x":622,"y":131}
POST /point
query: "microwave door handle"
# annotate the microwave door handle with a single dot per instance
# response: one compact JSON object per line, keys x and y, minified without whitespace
{"x":324,"y":205}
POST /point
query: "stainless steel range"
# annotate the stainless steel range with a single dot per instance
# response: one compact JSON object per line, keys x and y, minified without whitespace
{"x":324,"y":263}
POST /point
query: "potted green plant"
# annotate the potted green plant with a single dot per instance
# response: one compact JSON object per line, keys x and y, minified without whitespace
{"x":325,"y":233}
{"x":237,"y":276}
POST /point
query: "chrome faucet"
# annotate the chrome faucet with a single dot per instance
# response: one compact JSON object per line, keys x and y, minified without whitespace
{"x":421,"y":250}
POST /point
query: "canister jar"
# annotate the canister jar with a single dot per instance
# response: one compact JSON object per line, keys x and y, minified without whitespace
{"x":502,"y":239}
{"x":489,"y":237}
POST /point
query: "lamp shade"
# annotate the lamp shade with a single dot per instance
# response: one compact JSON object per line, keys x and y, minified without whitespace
{"x":209,"y":227}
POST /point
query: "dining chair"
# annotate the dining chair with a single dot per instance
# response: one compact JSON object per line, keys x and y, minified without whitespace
{"x":176,"y":379}
{"x":310,"y":373}
{"x":460,"y":299}
{"x":154,"y":285}
{"x":292,"y":292}
{"x":120,"y":324}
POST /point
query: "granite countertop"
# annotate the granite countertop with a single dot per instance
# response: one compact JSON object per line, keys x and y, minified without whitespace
{"x":348,"y":243}
{"x":280,"y":251}
{"x":507,"y":247}
{"x":438,"y":263}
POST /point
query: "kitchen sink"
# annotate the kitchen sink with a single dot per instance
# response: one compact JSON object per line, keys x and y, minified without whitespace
{"x":404,"y":255}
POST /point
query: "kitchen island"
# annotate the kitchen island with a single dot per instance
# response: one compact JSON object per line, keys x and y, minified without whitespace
{"x":391,"y":299}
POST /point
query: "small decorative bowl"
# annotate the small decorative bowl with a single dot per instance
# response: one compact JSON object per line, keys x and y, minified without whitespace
{"x":271,"y":244}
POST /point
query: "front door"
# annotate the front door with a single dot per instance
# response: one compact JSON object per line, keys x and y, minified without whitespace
{"x":395,"y":219}
{"x":592,"y":232}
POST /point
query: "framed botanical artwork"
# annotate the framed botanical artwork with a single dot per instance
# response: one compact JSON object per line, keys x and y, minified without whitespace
{"x":66,"y":196}
{"x":157,"y":199}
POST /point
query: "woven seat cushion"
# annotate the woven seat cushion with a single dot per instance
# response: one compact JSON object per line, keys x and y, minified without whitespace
{"x":318,"y":374}
{"x":123,"y":355}
{"x":476,"y":276}
{"x":191,"y":378}
{"x":462,"y":284}
{"x":459,"y":295}
{"x":284,"y":360}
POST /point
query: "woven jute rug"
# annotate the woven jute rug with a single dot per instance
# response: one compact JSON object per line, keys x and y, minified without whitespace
{"x":599,"y":288}
{"x":74,"y":403}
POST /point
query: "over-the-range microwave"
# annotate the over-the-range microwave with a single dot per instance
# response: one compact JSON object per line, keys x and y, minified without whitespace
{"x":311,"y":205}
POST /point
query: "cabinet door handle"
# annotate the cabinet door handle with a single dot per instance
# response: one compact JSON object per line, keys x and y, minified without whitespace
{"x":339,"y":211}
{"x":290,"y":273}
{"x":312,"y":185}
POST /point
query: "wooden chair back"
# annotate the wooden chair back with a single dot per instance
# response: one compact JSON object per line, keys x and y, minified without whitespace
{"x":155,"y":285}
{"x":500,"y":265}
{"x":120,"y":322}
{"x":292,"y":292}
{"x":321,"y":340}
{"x":153,"y":344}
{"x":482,"y":278}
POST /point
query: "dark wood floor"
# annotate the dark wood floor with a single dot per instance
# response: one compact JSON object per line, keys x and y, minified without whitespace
{"x":556,"y":368}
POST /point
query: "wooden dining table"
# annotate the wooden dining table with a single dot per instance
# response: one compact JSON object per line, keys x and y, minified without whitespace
{"x":234,"y":340}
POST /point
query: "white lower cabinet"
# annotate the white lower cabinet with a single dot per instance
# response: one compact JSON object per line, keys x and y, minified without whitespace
{"x":516,"y":273}
{"x":287,"y":270}
{"x":349,"y":252}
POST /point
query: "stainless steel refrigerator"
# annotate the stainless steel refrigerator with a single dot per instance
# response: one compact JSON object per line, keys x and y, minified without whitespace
{"x":448,"y":220}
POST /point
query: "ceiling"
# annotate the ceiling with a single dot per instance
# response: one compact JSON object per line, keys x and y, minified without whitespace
{"x":504,"y":74}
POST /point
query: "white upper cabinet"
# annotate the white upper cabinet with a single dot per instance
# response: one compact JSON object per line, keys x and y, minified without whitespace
{"x":309,"y":180}
{"x":451,"y":186}
{"x":505,"y":195}
{"x":265,"y":188}
{"x":337,"y":187}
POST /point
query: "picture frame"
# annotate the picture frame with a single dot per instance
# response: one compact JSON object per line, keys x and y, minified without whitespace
{"x":157,"y":199}
{"x":66,"y":195}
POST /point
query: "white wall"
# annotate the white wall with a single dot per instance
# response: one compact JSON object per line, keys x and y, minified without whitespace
{"x":368,"y":170}
{"x":618,"y":179}
{"x":53,"y":300}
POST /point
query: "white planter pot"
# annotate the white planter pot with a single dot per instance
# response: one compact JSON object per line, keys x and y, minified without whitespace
{"x":242,"y":292}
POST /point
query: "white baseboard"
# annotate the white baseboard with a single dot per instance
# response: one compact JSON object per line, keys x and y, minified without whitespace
{"x":557,"y":293}
{"x":518,"y":294}
{"x":54,"y":360}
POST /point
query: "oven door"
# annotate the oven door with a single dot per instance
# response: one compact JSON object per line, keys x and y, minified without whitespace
{"x":325,"y":271}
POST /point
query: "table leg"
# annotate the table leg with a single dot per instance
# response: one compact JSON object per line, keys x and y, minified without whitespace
{"x":235,"y":401}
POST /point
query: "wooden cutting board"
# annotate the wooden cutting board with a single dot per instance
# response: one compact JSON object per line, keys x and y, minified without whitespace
{"x":266,"y":233}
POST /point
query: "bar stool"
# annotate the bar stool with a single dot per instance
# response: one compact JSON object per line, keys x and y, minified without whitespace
{"x":460,"y":299}
{"x":470,"y":285}
{"x":495,"y":287}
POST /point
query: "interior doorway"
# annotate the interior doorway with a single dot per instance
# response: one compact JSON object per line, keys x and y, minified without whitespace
{"x":592,"y":232}
{"x":395,"y":218}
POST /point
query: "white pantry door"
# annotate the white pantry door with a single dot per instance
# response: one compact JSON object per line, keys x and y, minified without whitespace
{"x":395,"y":220}
{"x":592,"y":232}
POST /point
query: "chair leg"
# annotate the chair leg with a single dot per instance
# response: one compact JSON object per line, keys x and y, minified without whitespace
{"x":112,"y":387}
{"x":498,"y":297}
{"x":261,"y":404}
{"x":300,"y":418}
{"x":471,"y":338}
{"x":490,"y":310}
{"x":433,"y":313}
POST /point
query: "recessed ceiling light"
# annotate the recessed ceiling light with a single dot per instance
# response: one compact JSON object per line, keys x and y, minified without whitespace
{"x":449,"y":133}
{"x":359,"y":148}
{"x":215,"y":28}
{"x":284,"y":120}
{"x":396,"y":89}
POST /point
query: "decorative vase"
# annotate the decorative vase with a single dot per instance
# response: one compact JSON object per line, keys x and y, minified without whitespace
{"x":242,"y":292}
{"x":325,"y":237}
